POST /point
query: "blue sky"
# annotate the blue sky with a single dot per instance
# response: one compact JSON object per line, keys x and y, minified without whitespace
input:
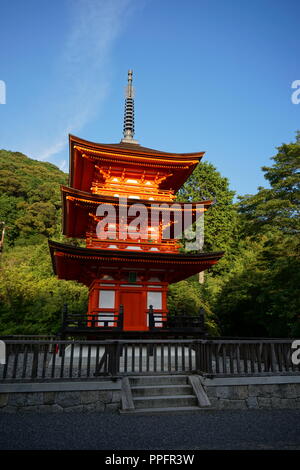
{"x":209,"y":75}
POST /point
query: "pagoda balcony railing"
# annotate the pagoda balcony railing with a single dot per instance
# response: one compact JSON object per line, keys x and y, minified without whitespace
{"x":175,"y":323}
{"x":105,"y":321}
{"x":111,"y":321}
{"x":142,"y":244}
{"x":132,"y":190}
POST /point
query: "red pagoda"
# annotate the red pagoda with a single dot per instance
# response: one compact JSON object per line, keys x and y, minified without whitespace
{"x":126,"y":271}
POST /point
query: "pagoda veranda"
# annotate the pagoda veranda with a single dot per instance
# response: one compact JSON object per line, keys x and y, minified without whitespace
{"x":120,"y":199}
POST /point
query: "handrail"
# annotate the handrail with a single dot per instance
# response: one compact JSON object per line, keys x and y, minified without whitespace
{"x":158,"y":341}
{"x":165,"y":321}
{"x":93,"y":319}
{"x":58,"y":359}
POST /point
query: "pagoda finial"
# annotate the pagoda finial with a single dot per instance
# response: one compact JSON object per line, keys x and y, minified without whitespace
{"x":128,"y":129}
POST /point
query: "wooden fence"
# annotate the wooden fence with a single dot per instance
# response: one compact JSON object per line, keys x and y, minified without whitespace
{"x":74,"y":323}
{"x":57,"y":360}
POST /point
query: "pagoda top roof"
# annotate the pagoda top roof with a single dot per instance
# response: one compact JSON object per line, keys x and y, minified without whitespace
{"x":133,"y":148}
{"x":85,"y":155}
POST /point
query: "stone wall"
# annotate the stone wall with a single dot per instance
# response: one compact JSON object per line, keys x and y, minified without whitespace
{"x":223,"y":393}
{"x":276,"y":392}
{"x":59,"y":398}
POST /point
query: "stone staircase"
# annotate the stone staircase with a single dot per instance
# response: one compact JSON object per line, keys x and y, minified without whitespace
{"x":163,"y":394}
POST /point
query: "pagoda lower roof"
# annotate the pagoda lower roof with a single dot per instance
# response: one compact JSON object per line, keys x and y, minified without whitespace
{"x":78,"y":204}
{"x":86,"y":264}
{"x":84,"y":155}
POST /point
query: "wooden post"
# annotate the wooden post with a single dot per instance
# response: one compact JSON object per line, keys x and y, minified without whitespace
{"x":64,"y":315}
{"x":120,"y":318}
{"x":199,"y":366}
{"x":35,"y":361}
{"x":114,"y":358}
{"x":151,"y":318}
{"x":103,"y":362}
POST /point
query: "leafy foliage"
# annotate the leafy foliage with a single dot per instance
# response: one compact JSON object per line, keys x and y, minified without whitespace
{"x":29,"y":198}
{"x":31,"y":297}
{"x":185,"y":299}
{"x":277,"y":207}
{"x":206,"y":183}
{"x":261,"y":293}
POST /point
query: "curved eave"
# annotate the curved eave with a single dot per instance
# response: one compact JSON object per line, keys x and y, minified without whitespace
{"x":76,"y":209}
{"x":74,"y":263}
{"x":130,"y":156}
{"x":132,"y":149}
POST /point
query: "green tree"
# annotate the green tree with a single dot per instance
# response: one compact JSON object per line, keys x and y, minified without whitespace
{"x":276,"y":208}
{"x":206,"y":183}
{"x":261,"y":293}
{"x":31,"y":297}
{"x":30,"y":198}
{"x":184,"y":298}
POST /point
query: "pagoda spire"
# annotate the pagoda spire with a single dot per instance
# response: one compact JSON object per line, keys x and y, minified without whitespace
{"x":128,"y":128}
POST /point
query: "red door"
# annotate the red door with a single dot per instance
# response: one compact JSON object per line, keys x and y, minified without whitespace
{"x":134,"y":311}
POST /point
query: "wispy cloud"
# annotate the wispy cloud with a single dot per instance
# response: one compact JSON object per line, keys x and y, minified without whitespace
{"x":63,"y":166}
{"x":80,"y":84}
{"x":53,"y":149}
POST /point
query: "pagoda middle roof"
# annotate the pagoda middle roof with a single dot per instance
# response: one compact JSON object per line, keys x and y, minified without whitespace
{"x":84,"y":155}
{"x":78,"y":204}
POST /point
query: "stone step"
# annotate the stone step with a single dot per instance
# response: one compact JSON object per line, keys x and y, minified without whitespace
{"x":166,"y":410}
{"x":158,"y":380}
{"x":163,"y":401}
{"x":152,"y":390}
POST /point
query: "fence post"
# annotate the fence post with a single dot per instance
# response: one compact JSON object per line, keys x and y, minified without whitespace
{"x":103,"y":363}
{"x":199,"y":365}
{"x":35,"y":361}
{"x":64,"y":321}
{"x":208,"y":356}
{"x":120,"y":318}
{"x":151,"y":318}
{"x":114,"y":357}
{"x":203,"y":356}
